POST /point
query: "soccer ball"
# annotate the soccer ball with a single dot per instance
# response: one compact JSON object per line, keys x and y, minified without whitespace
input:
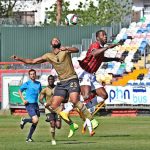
{"x":71,"y":19}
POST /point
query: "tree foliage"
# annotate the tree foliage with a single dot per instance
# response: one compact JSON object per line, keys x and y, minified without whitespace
{"x":6,"y":8}
{"x":106,"y":12}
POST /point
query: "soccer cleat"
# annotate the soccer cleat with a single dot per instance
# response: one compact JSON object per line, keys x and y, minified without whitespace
{"x":73,"y":128}
{"x":53,"y":142}
{"x":29,"y":140}
{"x":92,"y":133}
{"x":94,"y":123}
{"x":22,"y":123}
{"x":64,"y":115}
{"x":83,"y":129}
{"x":47,"y":120}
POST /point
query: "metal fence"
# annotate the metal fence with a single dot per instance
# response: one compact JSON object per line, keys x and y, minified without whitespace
{"x":35,"y":41}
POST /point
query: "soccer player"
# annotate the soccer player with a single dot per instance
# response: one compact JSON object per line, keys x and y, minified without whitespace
{"x":88,"y":67}
{"x":60,"y":58}
{"x":32,"y":88}
{"x":52,"y":117}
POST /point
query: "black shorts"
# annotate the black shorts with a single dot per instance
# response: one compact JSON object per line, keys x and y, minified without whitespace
{"x":53,"y":117}
{"x":64,"y":88}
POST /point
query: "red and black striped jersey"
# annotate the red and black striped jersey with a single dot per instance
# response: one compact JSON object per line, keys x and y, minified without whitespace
{"x":90,"y":63}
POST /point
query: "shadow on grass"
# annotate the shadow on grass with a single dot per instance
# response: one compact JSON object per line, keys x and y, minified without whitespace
{"x":75,"y":142}
{"x":70,"y":142}
{"x":125,"y":135}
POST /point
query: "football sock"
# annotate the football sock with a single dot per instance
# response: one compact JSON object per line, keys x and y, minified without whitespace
{"x":32,"y":129}
{"x":68,"y":107}
{"x":89,"y":125}
{"x":27,"y":120}
{"x":83,"y":109}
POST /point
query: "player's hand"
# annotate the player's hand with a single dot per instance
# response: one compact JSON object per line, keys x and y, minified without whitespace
{"x":63,"y":48}
{"x":121,"y":42}
{"x":112,"y":46}
{"x":121,"y":59}
{"x":45,"y":104}
{"x":25,"y":102}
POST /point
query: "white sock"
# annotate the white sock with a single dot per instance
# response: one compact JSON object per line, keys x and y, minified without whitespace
{"x":84,"y":125}
{"x":89,"y":125}
{"x":96,"y":100}
{"x":68,"y":107}
{"x":99,"y":99}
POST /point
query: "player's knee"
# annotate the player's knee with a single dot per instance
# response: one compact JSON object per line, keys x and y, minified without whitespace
{"x":52,"y":124}
{"x":35,"y":120}
{"x":58,"y":123}
{"x":58,"y":126}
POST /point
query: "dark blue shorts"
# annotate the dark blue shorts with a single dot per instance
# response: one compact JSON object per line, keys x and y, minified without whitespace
{"x":33,"y":109}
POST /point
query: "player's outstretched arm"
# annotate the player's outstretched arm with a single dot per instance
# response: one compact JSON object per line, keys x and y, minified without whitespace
{"x":107,"y":59}
{"x":70,"y":49}
{"x":29,"y":61}
{"x":97,"y":52}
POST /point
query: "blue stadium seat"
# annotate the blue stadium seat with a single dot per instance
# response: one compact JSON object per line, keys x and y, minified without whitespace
{"x":147,"y":83}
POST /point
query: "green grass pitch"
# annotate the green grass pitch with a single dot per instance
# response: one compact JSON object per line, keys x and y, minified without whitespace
{"x":112,"y":134}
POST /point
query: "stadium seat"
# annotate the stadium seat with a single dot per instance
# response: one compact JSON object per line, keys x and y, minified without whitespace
{"x":139,"y":24}
{"x":125,"y":53}
{"x":136,"y":40}
{"x":142,"y":83}
{"x":140,"y":76}
{"x":148,"y":83}
{"x":105,"y":66}
{"x":136,"y":82}
{"x":130,"y":82}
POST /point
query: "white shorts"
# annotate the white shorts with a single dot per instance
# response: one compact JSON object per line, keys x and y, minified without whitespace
{"x":89,"y":79}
